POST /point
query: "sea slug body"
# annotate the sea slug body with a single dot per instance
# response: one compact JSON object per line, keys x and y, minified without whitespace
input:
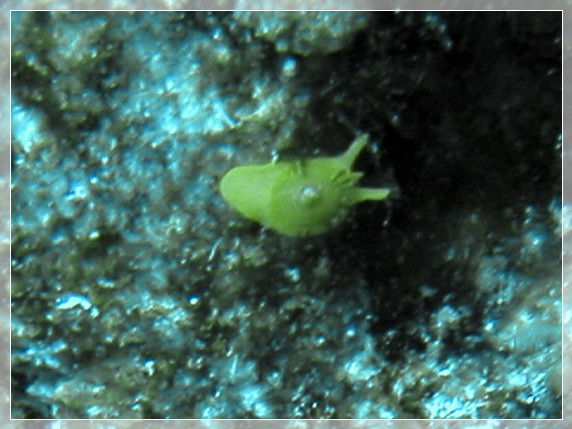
{"x":299,"y":198}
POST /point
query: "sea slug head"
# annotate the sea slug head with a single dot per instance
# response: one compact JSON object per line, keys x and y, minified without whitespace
{"x":299,"y":198}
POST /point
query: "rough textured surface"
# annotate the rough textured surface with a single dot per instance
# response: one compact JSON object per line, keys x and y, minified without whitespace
{"x":119,"y":234}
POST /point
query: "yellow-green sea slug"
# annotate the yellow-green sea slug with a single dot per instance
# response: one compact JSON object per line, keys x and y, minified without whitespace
{"x":299,"y":198}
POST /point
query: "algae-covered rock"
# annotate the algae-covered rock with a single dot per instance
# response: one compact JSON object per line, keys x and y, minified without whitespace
{"x":137,"y":292}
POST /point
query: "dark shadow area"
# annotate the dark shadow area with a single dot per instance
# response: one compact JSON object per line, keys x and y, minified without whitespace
{"x":466,"y":109}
